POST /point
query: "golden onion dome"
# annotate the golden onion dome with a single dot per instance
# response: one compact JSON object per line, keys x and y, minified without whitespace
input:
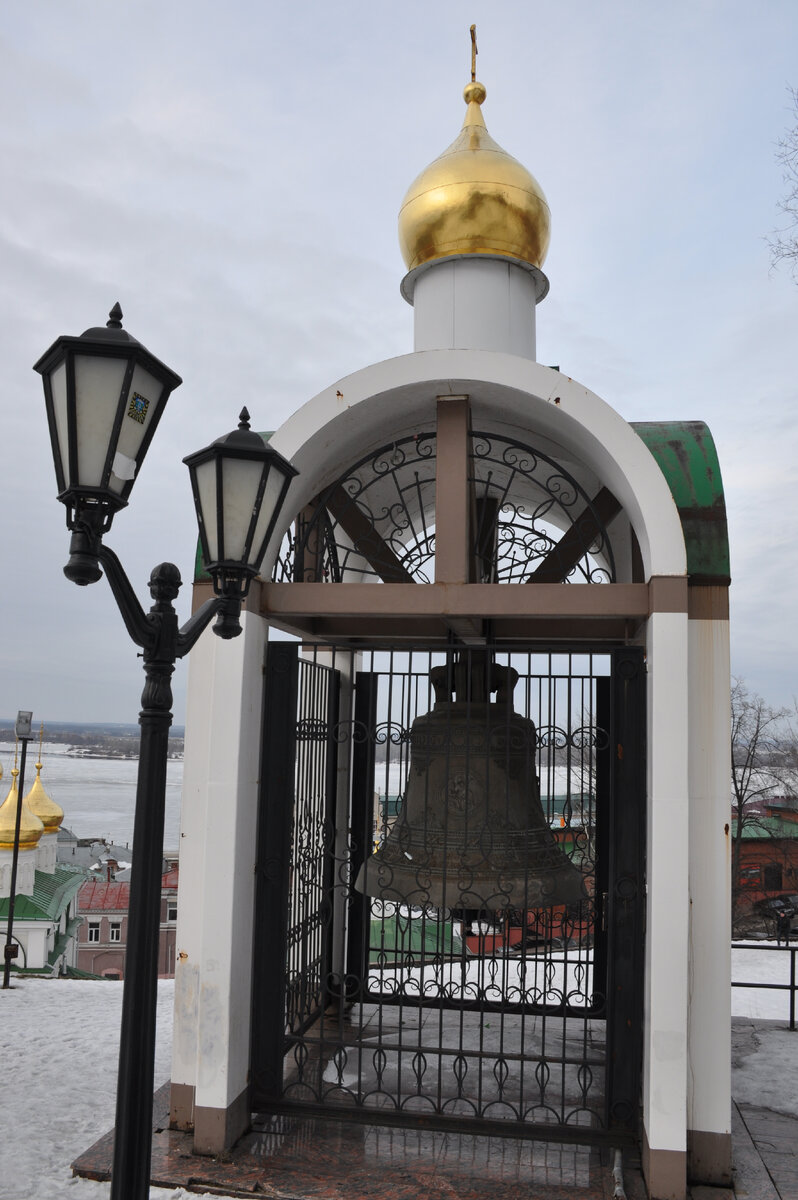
{"x":31,"y":827}
{"x":474,"y":199}
{"x":49,"y":813}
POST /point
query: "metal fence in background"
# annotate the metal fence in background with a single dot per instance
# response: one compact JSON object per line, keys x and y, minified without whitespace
{"x":771,"y":985}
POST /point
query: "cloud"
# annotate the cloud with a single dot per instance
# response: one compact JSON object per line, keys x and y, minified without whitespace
{"x":233,"y":178}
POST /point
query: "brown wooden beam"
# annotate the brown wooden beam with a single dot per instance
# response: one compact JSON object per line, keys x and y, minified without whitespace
{"x":360,"y":629}
{"x":452,"y":557}
{"x":485,"y":518}
{"x":469,"y":630}
{"x":365,"y":538}
{"x":475,"y":600}
{"x":309,"y":543}
{"x":562,"y":558}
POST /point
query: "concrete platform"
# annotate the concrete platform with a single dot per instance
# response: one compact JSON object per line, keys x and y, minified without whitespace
{"x":290,"y":1158}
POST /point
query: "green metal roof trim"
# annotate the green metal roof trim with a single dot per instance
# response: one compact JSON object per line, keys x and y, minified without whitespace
{"x":686,"y":454}
{"x":199,"y":566}
{"x":76,"y":973}
{"x":62,"y":941}
{"x":770,"y":827}
{"x":51,"y":895}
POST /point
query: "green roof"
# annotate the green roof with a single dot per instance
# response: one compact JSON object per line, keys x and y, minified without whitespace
{"x":76,"y":973}
{"x":398,"y":933}
{"x":686,"y":455}
{"x":51,"y":895}
{"x":770,"y":827}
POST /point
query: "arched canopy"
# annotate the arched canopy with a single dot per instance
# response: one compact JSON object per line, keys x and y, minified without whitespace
{"x":460,"y":401}
{"x":508,"y":396}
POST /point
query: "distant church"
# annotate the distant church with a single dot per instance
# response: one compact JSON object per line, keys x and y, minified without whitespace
{"x":45,"y":912}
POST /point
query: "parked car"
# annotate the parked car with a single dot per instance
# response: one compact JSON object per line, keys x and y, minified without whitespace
{"x":776,"y":906}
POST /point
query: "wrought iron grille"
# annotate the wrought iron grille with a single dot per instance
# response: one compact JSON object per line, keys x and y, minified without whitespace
{"x":494,"y":1017}
{"x":376,"y":520}
{"x":312,"y":845}
{"x":531,"y":519}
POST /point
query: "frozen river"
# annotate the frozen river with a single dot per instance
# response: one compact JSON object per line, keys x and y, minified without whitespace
{"x":98,"y":795}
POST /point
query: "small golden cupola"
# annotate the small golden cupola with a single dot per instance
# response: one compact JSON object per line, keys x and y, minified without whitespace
{"x":474,"y":199}
{"x":43,"y":806}
{"x":31,"y":827}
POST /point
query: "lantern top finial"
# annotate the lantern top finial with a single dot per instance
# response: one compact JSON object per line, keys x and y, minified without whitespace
{"x":115,"y":317}
{"x":243,"y":418}
{"x":112,"y":329}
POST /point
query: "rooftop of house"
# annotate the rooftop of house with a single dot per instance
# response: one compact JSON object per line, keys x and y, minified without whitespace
{"x":50,"y":897}
{"x":769,"y":827}
{"x":100,"y":895}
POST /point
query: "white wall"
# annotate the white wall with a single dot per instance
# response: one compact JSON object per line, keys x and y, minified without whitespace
{"x":709,"y":1032}
{"x":665,"y":1026}
{"x":217,"y":864}
{"x":474,"y":303}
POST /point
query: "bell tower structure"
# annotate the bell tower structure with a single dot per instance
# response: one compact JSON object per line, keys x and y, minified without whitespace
{"x":466,"y":500}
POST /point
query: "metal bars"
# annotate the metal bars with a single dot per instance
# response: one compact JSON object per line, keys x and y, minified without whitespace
{"x":495,"y":1018}
{"x":531,"y":520}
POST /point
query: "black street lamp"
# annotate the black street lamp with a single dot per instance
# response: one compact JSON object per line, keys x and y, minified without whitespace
{"x":22,"y":729}
{"x":105,"y":394}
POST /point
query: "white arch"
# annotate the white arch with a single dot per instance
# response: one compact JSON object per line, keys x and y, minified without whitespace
{"x":508,"y":393}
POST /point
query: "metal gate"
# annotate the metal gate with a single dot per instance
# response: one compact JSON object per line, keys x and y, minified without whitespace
{"x":412,"y":1006}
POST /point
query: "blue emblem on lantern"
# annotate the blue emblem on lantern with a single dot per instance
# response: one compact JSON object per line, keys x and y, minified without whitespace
{"x":137,"y":409}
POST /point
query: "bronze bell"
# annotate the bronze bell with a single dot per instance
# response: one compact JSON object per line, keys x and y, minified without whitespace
{"x":472,"y":833}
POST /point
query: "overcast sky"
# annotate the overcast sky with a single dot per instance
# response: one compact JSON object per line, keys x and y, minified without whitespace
{"x":232,"y":173}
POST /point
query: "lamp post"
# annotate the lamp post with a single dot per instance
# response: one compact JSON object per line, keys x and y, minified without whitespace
{"x":22,"y":729}
{"x":105,"y":394}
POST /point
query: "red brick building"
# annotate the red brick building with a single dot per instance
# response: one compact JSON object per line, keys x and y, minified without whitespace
{"x":768,"y":859}
{"x":102,"y":940}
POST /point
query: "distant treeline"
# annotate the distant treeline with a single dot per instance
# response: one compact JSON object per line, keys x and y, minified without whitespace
{"x":113,"y":741}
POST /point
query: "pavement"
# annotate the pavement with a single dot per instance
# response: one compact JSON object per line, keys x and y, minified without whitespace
{"x":764,"y":1112}
{"x":288,"y":1158}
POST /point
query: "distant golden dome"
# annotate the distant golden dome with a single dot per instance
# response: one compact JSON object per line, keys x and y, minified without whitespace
{"x":30,"y":827}
{"x":474,"y":199}
{"x":49,"y":813}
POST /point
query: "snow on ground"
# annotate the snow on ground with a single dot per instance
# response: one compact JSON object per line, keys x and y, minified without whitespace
{"x":59,"y":1042}
{"x":770,"y":965}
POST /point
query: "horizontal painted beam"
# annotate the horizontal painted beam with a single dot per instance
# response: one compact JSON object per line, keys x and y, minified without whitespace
{"x":478,"y":600}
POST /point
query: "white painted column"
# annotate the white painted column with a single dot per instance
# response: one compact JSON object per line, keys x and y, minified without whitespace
{"x":474,"y":303}
{"x":709,"y":1027}
{"x":217,"y":886}
{"x":665,"y":1017}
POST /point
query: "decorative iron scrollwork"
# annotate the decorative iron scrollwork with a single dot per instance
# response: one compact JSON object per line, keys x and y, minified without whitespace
{"x":532,"y":519}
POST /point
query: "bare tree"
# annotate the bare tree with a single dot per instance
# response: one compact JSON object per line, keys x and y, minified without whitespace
{"x":784,"y":242}
{"x":762,"y":766}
